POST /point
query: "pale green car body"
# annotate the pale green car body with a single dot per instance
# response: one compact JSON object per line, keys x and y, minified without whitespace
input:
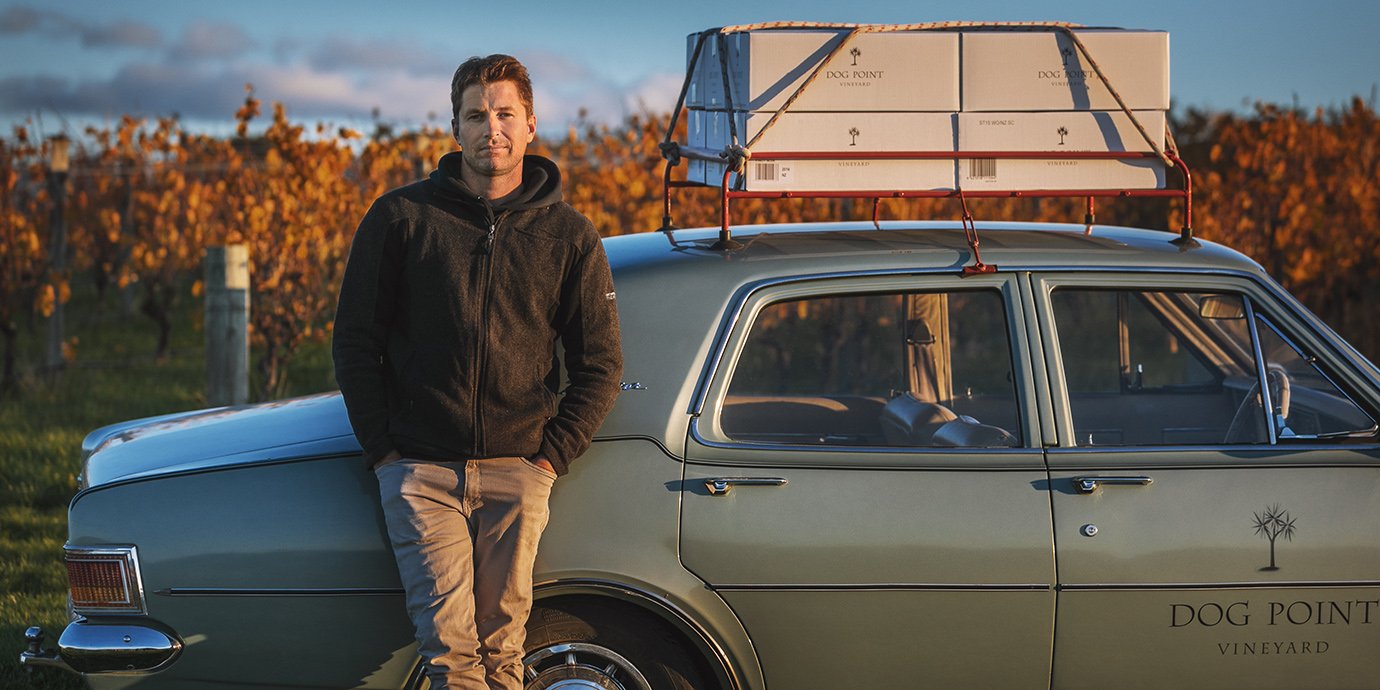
{"x":819,"y":564}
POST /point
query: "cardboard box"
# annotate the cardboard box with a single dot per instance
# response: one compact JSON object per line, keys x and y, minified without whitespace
{"x":1073,"y":130}
{"x":900,"y":71}
{"x":1006,"y":71}
{"x":1058,"y":131}
{"x":696,"y":124}
{"x":835,"y":176}
{"x":694,"y":92}
{"x":1008,"y":175}
{"x":833,"y":132}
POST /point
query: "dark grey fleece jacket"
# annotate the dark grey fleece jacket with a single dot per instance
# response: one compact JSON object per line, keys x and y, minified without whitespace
{"x":449,"y":312}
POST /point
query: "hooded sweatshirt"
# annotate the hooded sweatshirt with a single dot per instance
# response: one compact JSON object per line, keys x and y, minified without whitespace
{"x":449,"y":313}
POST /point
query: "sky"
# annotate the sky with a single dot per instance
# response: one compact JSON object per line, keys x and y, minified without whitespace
{"x":66,"y":64}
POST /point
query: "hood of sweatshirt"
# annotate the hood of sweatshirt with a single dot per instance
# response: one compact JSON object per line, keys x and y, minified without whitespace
{"x":541,"y":183}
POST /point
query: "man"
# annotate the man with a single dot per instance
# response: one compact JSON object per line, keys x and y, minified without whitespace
{"x":456,"y":290}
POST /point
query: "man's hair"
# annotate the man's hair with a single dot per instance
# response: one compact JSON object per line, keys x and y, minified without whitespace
{"x":488,"y":70}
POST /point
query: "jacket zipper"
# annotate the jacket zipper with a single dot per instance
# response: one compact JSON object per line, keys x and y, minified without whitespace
{"x":481,"y":354}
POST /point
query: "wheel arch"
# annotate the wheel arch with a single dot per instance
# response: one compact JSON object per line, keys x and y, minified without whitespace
{"x":716,"y":658}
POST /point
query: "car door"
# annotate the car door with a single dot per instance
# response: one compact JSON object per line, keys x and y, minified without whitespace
{"x":864,"y":484}
{"x":1215,"y":488}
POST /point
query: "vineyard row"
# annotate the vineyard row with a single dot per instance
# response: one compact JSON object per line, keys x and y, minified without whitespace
{"x":1296,"y":191}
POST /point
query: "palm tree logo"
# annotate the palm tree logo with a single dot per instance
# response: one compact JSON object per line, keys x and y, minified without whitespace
{"x":1062,"y":132}
{"x":1272,"y":524}
{"x":853,"y":132}
{"x":1066,"y":53}
{"x":855,"y":53}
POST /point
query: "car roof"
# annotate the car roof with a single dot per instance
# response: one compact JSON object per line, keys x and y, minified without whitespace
{"x":902,"y":245}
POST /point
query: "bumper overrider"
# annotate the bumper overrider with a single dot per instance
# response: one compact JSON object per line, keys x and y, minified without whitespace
{"x":94,"y":647}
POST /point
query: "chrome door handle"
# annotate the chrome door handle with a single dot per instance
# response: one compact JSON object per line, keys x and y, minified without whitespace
{"x":720,"y":486}
{"x":1087,"y":485}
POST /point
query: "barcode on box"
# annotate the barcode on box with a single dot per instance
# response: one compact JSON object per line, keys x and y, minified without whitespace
{"x":764,"y":172}
{"x":982,"y":167}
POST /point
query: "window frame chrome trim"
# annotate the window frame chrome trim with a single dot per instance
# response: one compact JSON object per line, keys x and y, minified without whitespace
{"x":1007,"y":286}
{"x":878,"y":450}
{"x":728,"y":323}
{"x":730,"y":318}
{"x":1262,"y":376}
{"x":1040,"y":367}
{"x":1336,"y":347}
{"x":1321,"y":371}
{"x":1335,"y":343}
{"x":129,"y":554}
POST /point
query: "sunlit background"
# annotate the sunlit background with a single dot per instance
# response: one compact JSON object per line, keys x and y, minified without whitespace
{"x":70,"y":64}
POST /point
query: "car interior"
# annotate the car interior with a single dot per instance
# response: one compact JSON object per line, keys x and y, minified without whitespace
{"x":933,"y":370}
{"x":876,"y":370}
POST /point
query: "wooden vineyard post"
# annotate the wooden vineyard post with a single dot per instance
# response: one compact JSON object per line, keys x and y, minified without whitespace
{"x":227,"y":325}
{"x":58,"y":164}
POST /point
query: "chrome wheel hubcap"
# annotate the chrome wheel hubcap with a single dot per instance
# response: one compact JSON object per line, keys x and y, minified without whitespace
{"x":581,"y":666}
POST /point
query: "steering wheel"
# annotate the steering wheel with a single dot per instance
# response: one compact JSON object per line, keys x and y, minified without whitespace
{"x":1245,"y":423}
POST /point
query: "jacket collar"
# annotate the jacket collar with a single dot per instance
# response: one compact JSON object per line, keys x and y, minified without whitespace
{"x":541,"y":183}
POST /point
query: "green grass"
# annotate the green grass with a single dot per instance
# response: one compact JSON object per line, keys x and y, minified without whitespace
{"x":113,"y":377}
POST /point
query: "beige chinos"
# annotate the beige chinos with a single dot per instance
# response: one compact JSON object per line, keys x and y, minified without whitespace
{"x":465,"y":538}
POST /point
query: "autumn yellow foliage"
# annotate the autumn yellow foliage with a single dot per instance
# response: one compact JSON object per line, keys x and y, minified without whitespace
{"x":1297,"y":191}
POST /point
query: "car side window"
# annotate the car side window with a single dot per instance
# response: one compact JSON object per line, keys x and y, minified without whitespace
{"x":899,"y":370}
{"x":1305,"y":402}
{"x":1158,"y":368}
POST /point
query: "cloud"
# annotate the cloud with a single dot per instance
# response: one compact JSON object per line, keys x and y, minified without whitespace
{"x":562,"y":88}
{"x":310,"y":92}
{"x":140,"y":89}
{"x":203,"y":40}
{"x":122,"y":34}
{"x":331,"y":79}
{"x":54,"y":24}
{"x":285,"y":48}
{"x":18,"y":20}
{"x":215,"y":92}
{"x":655,"y":93}
{"x":343,"y":52}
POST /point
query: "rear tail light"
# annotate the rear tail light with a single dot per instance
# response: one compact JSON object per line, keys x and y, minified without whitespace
{"x":104,"y":579}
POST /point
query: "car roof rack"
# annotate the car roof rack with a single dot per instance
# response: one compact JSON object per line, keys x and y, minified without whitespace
{"x":736,"y":155}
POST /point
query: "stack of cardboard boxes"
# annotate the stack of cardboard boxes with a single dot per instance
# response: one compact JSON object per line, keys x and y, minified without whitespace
{"x":931,"y":91}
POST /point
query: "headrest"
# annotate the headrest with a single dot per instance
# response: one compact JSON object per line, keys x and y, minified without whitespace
{"x":966,"y":432}
{"x":907,"y":421}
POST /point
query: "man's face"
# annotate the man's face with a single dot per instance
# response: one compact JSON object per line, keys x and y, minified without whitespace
{"x":493,"y":128}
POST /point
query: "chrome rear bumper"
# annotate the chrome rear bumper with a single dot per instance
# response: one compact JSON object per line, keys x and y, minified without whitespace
{"x":87,"y":647}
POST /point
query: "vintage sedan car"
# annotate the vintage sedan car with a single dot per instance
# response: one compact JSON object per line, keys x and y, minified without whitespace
{"x":836,"y":462}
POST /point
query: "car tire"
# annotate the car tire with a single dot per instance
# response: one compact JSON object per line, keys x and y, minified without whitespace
{"x":609,"y":646}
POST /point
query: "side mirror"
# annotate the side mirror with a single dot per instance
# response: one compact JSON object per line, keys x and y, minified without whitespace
{"x":1222,"y":307}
